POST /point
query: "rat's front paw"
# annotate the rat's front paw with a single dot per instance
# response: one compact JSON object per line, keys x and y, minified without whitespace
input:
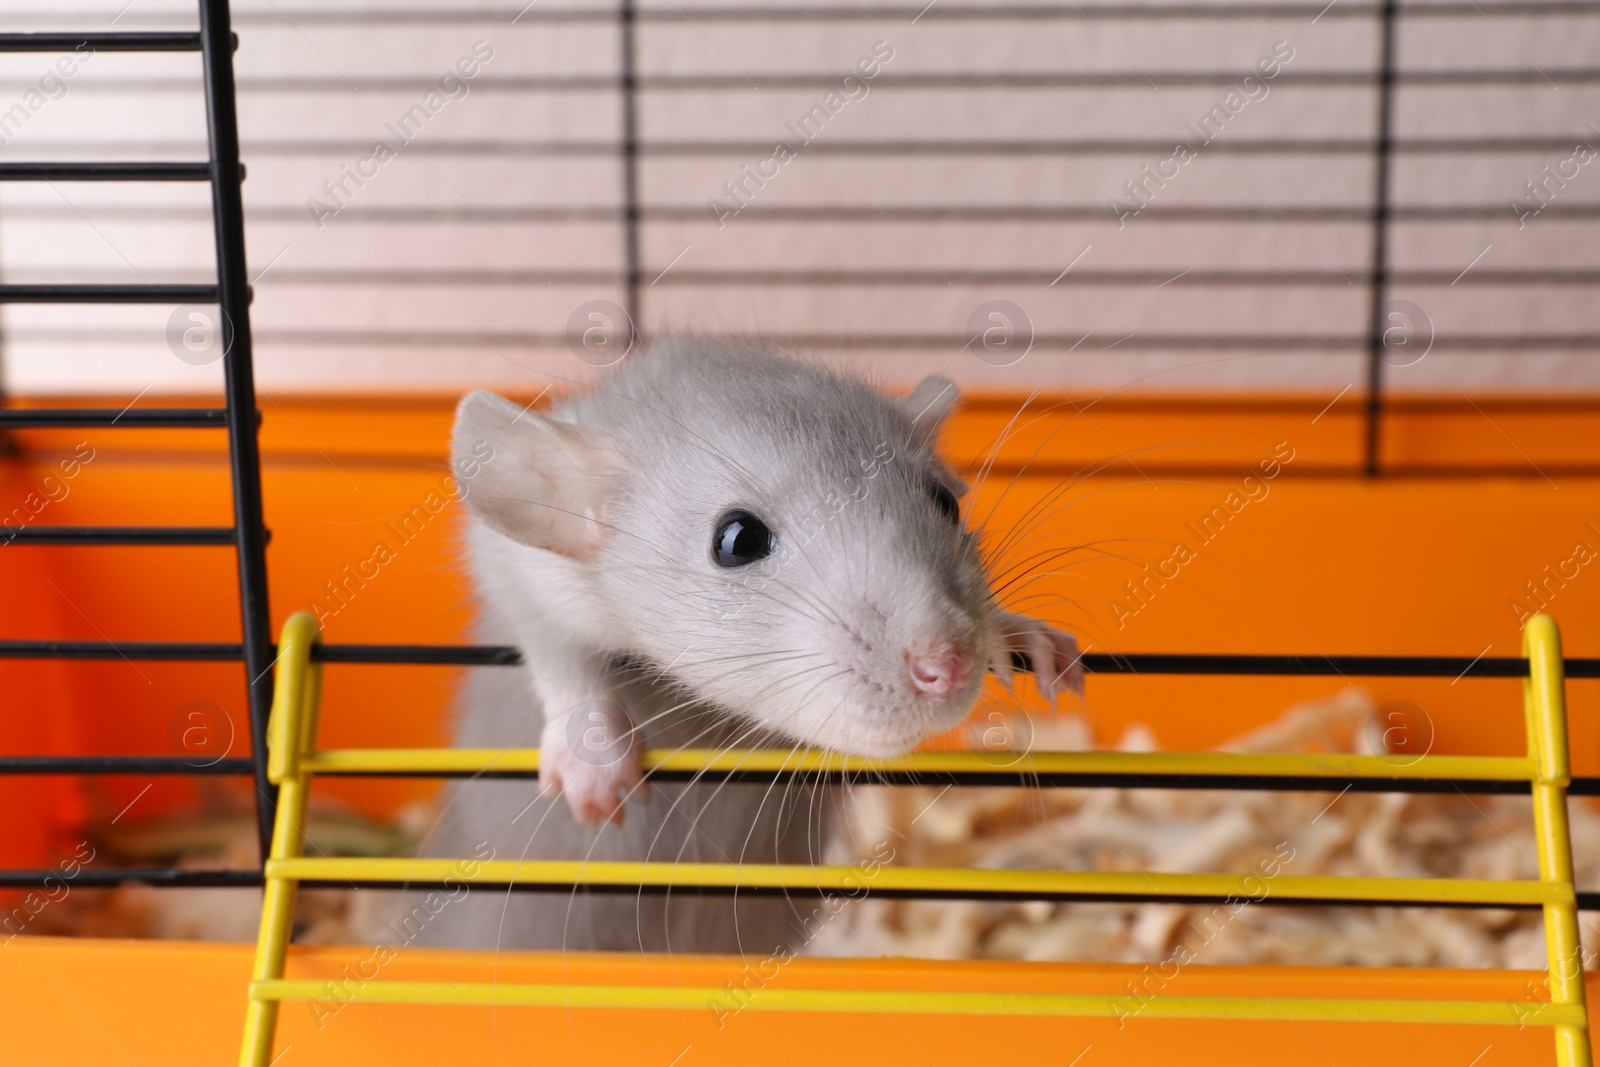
{"x":592,"y":757}
{"x":1057,"y":666}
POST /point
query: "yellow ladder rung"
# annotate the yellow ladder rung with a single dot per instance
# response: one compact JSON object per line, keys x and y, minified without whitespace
{"x":1331,"y":765}
{"x":853,"y":880}
{"x":1486,"y":1012}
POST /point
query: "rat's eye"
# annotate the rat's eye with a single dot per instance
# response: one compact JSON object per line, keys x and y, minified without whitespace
{"x":740,"y":540}
{"x":945,"y":501}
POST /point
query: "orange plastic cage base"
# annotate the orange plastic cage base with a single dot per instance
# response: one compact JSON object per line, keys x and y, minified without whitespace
{"x":114,"y":1002}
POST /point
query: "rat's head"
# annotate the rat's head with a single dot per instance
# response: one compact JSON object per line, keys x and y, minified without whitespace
{"x":782,"y":541}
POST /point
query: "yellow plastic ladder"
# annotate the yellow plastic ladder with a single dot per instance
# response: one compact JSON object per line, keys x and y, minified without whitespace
{"x":293,"y":760}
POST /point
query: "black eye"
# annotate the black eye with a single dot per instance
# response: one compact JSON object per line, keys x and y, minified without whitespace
{"x":740,"y":540}
{"x":945,"y":501}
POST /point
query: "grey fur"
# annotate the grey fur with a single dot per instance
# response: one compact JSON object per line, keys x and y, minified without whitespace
{"x":593,"y":544}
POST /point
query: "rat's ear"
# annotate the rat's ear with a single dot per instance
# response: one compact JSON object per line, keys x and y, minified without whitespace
{"x":544,"y":483}
{"x":929,"y":403}
{"x":927,"y":406}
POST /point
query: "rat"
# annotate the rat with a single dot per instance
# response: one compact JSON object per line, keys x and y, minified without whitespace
{"x":713,"y":548}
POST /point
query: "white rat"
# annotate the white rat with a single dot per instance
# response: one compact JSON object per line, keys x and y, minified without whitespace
{"x":713,"y":548}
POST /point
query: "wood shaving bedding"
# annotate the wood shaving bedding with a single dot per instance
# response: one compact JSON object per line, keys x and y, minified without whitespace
{"x":1395,"y":835}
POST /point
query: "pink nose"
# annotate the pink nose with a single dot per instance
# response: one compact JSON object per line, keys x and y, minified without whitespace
{"x":940,"y":671}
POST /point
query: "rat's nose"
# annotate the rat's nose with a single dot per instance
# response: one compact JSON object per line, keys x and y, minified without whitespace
{"x":939,"y":671}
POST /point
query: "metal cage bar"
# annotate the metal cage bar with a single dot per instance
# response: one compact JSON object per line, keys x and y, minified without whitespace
{"x":627,"y":89}
{"x":244,"y":453}
{"x":1379,"y":291}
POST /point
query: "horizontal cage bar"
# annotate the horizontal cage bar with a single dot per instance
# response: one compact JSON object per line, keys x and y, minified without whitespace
{"x":1053,"y":780}
{"x":1076,"y":770}
{"x":171,"y":418}
{"x":676,"y":14}
{"x":880,"y":1001}
{"x":854,"y":278}
{"x":185,"y":651}
{"x":105,"y":172}
{"x":1272,"y":343}
{"x":118,"y":535}
{"x":985,"y":149}
{"x":157,"y":877}
{"x":422,"y":655}
{"x":165,"y":765}
{"x":926,"y":882}
{"x":164,"y":877}
{"x":1094,"y":662}
{"x":146,"y":293}
{"x":974,"y":213}
{"x":983,"y":79}
{"x":978,"y":766}
{"x":102,"y":42}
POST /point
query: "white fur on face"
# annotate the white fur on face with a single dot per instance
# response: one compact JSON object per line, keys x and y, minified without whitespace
{"x":810,"y":643}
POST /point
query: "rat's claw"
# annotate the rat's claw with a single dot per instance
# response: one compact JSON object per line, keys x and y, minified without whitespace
{"x":596,"y":781}
{"x":594,"y":794}
{"x":1057,"y":666}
